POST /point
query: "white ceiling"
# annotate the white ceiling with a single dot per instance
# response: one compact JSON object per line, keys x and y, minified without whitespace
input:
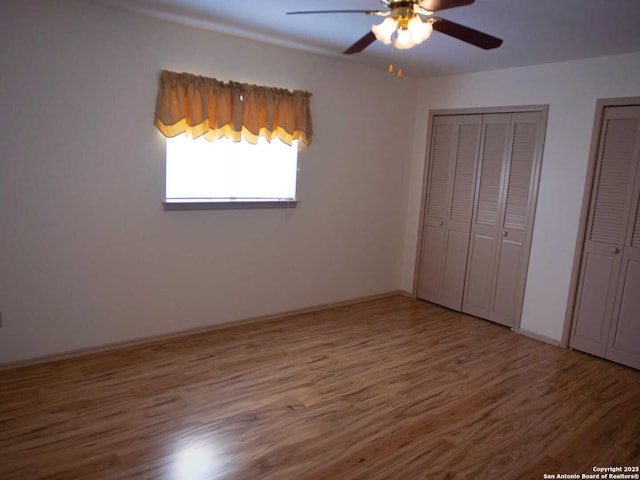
{"x":534,"y":31}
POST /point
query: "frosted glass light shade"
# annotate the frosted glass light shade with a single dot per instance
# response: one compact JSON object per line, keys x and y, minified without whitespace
{"x":419,"y":30}
{"x":404,"y":40}
{"x":385,"y":29}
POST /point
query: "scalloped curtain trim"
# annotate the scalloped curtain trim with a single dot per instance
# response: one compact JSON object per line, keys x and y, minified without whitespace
{"x":200,"y":106}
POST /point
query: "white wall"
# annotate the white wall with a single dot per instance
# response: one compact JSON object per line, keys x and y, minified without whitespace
{"x":87,"y":254}
{"x":571,"y":89}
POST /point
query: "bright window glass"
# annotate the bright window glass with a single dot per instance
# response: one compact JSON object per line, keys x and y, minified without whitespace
{"x":226,"y":171}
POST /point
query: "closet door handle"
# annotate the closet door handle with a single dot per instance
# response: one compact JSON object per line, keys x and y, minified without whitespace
{"x":615,"y":250}
{"x":441,"y":223}
{"x":504,"y":234}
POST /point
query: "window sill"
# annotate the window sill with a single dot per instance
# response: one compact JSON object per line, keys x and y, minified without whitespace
{"x":229,"y":205}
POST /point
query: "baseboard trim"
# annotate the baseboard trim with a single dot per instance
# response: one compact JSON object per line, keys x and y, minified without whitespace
{"x":542,"y":338}
{"x":55,"y":357}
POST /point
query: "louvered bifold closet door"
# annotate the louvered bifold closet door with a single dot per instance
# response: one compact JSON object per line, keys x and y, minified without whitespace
{"x":521,"y":175}
{"x":624,"y":341}
{"x":452,"y":172}
{"x":609,"y":283}
{"x":508,"y":173}
{"x":485,"y":225}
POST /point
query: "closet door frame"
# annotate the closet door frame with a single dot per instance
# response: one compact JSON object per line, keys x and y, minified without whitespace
{"x":543,"y":109}
{"x":601,"y":105}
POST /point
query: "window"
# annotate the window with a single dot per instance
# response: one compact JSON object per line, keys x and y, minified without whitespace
{"x":223,"y":172}
{"x":245,"y":151}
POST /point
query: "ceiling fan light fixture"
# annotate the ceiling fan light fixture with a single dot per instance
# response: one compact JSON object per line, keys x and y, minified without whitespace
{"x":419,"y":30}
{"x":408,"y":23}
{"x":384,"y":30}
{"x":426,"y":5}
{"x":404,"y":40}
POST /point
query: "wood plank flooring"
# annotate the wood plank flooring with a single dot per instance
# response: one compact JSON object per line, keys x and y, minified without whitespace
{"x":387,"y":389}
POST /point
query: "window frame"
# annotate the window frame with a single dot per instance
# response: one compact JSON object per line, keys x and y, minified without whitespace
{"x":229,"y":205}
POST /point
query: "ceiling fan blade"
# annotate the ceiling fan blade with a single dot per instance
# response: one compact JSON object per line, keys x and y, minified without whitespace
{"x":466,"y":34}
{"x":361,"y":44}
{"x":306,"y":12}
{"x":436,"y":5}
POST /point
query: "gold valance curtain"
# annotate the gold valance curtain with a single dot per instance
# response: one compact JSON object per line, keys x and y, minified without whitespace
{"x":198,"y":106}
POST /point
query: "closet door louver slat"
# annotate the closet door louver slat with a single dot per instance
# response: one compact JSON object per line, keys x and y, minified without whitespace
{"x":464,"y":180}
{"x":520,"y":176}
{"x":490,"y":176}
{"x":439,"y":178}
{"x":635,"y":237}
{"x":613,"y":181}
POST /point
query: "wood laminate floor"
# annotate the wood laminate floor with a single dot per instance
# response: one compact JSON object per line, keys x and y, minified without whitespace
{"x":387,"y":389}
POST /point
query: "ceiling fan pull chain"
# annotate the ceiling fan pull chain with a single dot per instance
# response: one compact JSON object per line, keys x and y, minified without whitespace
{"x":390,"y":70}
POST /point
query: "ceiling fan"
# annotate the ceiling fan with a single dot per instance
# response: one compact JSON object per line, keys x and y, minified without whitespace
{"x":408,"y":23}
